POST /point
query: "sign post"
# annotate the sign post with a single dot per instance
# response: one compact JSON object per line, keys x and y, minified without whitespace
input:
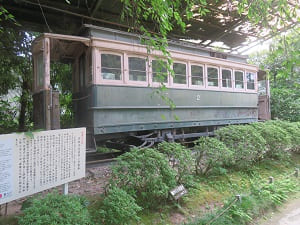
{"x":66,"y":189}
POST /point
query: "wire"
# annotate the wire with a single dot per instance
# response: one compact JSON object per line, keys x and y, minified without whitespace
{"x":230,"y":205}
{"x":44,"y":16}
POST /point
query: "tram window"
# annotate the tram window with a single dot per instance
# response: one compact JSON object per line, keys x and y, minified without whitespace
{"x":226,"y":78}
{"x":262,"y":87}
{"x":111,"y":67}
{"x":179,"y":73}
{"x":197,"y":75}
{"x":212,"y":77}
{"x":137,"y":69}
{"x":250,"y":80}
{"x":159,"y":71}
{"x":239,"y":79}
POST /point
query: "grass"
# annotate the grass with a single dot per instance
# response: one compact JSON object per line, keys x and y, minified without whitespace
{"x":212,"y":192}
{"x":102,"y":149}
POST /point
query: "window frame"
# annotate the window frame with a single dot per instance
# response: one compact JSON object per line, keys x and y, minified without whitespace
{"x":254,"y":82}
{"x":154,"y":83}
{"x":218,"y":79}
{"x":107,"y":81}
{"x":234,"y":87}
{"x":221,"y":78}
{"x":126,"y":72}
{"x":124,"y":55}
{"x":203,"y":76}
{"x":186,"y":75}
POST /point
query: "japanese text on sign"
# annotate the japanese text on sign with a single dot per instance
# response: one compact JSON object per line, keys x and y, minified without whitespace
{"x":32,"y":164}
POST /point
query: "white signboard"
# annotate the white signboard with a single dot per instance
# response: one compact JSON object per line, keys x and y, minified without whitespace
{"x":32,"y":164}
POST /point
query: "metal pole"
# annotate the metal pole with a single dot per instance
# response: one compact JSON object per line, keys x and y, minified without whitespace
{"x":6,"y":206}
{"x":66,"y":188}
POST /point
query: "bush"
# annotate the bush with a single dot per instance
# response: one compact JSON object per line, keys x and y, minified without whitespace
{"x":277,"y":139}
{"x":180,"y":159}
{"x":210,"y":153}
{"x":118,"y":208}
{"x":56,"y":209}
{"x":285,"y":104}
{"x":246,"y":144}
{"x":144,"y":174}
{"x":293,"y":130}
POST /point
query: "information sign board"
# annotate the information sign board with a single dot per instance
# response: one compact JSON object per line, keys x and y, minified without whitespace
{"x":178,"y":192}
{"x":30,"y":164}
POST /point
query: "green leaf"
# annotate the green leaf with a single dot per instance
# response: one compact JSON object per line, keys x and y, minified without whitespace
{"x":29,"y":134}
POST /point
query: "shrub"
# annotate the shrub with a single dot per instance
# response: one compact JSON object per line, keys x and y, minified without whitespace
{"x":56,"y":209}
{"x":293,"y":130}
{"x":118,"y":208}
{"x":144,"y":174}
{"x":277,"y":139}
{"x":210,"y":153}
{"x":285,"y":104}
{"x":246,"y":144}
{"x":180,"y":159}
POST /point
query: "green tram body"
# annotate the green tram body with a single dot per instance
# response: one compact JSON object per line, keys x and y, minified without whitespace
{"x":117,"y":109}
{"x":121,"y":107}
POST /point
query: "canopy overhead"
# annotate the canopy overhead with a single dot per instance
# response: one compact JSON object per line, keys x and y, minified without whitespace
{"x":223,"y":27}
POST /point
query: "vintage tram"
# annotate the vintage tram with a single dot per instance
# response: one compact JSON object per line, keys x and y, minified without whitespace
{"x":115,"y":79}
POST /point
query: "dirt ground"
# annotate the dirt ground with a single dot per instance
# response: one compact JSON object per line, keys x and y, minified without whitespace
{"x":288,"y":214}
{"x":94,"y":183}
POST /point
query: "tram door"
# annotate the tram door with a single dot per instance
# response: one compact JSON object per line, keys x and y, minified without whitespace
{"x":264,"y":112}
{"x":54,"y":48}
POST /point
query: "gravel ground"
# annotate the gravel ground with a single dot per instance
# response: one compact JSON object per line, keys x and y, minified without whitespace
{"x":93,"y":183}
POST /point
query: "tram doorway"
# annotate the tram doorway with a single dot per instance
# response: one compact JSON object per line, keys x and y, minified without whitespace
{"x":264,"y":109}
{"x":47,"y":49}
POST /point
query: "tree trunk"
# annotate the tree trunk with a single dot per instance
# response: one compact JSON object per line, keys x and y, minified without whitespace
{"x":23,"y":106}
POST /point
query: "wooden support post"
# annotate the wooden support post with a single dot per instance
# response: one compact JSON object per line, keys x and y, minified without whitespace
{"x":239,"y":198}
{"x":47,"y":86}
{"x":297,"y":172}
{"x":271,"y":180}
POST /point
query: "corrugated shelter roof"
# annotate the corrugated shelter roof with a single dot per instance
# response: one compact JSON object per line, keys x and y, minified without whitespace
{"x":222,"y":27}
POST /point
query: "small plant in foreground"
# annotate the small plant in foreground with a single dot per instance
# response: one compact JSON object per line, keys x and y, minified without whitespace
{"x":144,"y":174}
{"x":260,"y":198}
{"x":56,"y":209}
{"x":118,"y":207}
{"x":180,"y":159}
{"x":210,"y":153}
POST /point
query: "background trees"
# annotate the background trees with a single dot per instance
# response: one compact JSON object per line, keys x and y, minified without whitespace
{"x":16,"y":71}
{"x":282,"y":62}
